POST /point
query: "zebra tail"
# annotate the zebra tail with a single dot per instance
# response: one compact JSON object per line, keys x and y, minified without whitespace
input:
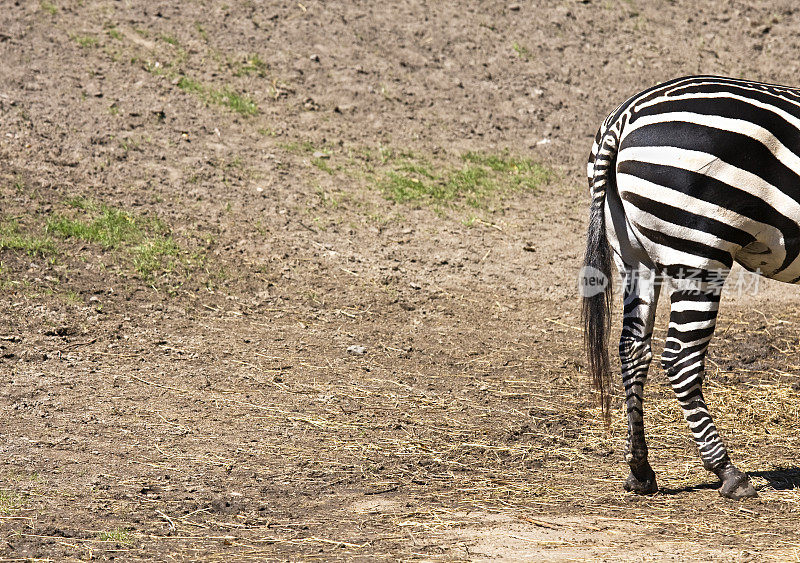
{"x":596,"y":303}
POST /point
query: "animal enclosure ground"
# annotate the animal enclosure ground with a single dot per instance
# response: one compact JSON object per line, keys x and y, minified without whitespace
{"x":298,"y":280}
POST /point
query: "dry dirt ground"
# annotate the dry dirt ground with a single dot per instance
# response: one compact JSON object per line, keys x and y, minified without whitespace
{"x":205,"y":204}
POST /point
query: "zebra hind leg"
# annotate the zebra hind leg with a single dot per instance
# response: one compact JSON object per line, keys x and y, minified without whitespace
{"x":692,"y":320}
{"x":640,"y":300}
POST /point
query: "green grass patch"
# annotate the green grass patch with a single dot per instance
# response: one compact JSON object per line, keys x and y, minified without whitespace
{"x":298,"y":147}
{"x":499,"y":162}
{"x":48,"y":7}
{"x":146,"y":241}
{"x":225,"y":96}
{"x":235,"y":101}
{"x":523,"y":52}
{"x":111,"y":228}
{"x":481,"y":178}
{"x":240,"y":103}
{"x":190,"y":85}
{"x":148,"y":256}
{"x":517,"y":173}
{"x":11,"y":238}
{"x":81,"y":203}
{"x":85,"y":41}
{"x":323,"y":165}
{"x":9,"y":502}
{"x":475,"y":179}
{"x":118,"y":535}
{"x":252,"y":65}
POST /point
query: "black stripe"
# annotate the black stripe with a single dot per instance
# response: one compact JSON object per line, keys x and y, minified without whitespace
{"x":631,"y":321}
{"x":688,"y":246}
{"x":682,"y":317}
{"x":695,"y":296}
{"x":685,"y":218}
{"x":684,"y":386}
{"x":690,"y":335}
{"x":697,"y":417}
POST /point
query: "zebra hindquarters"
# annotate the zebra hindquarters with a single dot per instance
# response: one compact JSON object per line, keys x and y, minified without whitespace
{"x":694,"y":252}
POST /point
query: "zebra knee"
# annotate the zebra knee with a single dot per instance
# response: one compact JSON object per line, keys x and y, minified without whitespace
{"x":635,"y":351}
{"x":670,"y":361}
{"x":635,"y":355}
{"x":684,"y":369}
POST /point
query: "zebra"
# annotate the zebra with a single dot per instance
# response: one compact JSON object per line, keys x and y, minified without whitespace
{"x":686,"y":178}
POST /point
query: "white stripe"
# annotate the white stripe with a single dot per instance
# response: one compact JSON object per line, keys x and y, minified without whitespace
{"x":703,"y":306}
{"x":697,"y":410}
{"x":674,"y":353}
{"x":694,"y":325}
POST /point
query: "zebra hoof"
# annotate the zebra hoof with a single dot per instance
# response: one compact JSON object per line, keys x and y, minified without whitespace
{"x":736,"y":485}
{"x":642,"y":481}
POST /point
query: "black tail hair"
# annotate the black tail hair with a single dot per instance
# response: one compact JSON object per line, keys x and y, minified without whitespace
{"x":596,"y":306}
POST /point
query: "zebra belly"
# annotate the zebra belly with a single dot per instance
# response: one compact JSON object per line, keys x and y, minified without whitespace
{"x":766,"y":256}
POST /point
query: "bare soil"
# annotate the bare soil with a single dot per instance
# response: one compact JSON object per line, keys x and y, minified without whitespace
{"x":209,"y":409}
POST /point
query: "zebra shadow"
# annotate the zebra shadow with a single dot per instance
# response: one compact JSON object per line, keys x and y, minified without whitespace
{"x":688,"y":488}
{"x":782,"y":479}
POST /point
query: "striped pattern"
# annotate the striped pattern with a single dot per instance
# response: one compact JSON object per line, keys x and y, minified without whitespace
{"x":691,"y":176}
